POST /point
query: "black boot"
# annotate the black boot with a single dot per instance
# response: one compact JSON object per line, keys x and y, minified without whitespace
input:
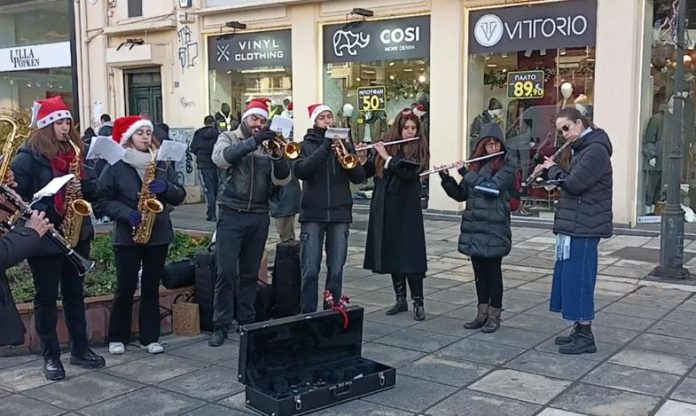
{"x":493,"y":322}
{"x":563,"y":340}
{"x":418,"y":309}
{"x":480,"y":319}
{"x":88,"y":359}
{"x":400,"y":291}
{"x":217,"y":338}
{"x":53,"y":369}
{"x":582,"y":342}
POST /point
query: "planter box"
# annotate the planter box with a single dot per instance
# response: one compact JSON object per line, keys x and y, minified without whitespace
{"x":97,"y":313}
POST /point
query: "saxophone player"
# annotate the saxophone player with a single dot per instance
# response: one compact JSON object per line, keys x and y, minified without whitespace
{"x":54,"y":149}
{"x":123,"y":187}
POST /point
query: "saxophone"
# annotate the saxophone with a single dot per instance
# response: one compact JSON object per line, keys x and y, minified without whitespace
{"x":148,"y":205}
{"x":76,"y":207}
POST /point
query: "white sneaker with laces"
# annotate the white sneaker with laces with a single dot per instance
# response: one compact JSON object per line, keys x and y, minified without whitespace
{"x":153,"y":348}
{"x":116,"y":348}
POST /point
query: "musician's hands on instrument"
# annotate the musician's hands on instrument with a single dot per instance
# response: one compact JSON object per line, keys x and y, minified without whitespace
{"x":39,"y":223}
{"x":362,"y":154}
{"x":444,"y":174}
{"x":263,"y":135}
{"x":10,"y":180}
{"x":548,"y":162}
{"x":381,"y":150}
{"x":135,"y":218}
{"x":158,"y":186}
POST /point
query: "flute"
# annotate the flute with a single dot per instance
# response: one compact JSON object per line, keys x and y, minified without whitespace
{"x":370,"y":146}
{"x":534,"y":176}
{"x":455,"y":164}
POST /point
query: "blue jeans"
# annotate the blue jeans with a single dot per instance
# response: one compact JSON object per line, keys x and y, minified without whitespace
{"x":572,"y":289}
{"x":209,"y":177}
{"x":312,"y":241}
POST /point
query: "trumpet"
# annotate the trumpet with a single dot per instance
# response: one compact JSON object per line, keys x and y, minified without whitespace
{"x":460,"y":163}
{"x":370,"y":146}
{"x":347,"y":160}
{"x":279,"y":147}
{"x":535,"y":176}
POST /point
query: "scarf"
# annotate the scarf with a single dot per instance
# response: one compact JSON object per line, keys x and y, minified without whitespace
{"x":138,"y":160}
{"x":61,"y":166}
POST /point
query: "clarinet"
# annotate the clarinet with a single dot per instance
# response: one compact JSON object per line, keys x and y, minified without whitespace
{"x":537,"y":172}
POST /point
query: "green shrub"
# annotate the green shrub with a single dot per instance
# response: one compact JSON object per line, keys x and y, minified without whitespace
{"x":102,"y":279}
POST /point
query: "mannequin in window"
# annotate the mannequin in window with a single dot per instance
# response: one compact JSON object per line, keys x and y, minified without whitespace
{"x":224,"y":120}
{"x":568,"y":99}
{"x":493,"y":114}
{"x":373,"y":126}
{"x":584,"y":106}
{"x":652,"y":150}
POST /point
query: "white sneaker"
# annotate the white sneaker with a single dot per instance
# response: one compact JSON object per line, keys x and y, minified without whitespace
{"x":116,"y":348}
{"x":153,"y":348}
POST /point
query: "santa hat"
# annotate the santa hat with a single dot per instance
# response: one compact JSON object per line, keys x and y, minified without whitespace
{"x":316,"y":109}
{"x":419,"y":110}
{"x":290,"y":106}
{"x":125,"y":127}
{"x":48,"y":111}
{"x":257,"y":106}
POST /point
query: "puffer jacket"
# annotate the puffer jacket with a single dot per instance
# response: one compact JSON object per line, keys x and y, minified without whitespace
{"x":485,"y":229}
{"x":585,"y":204}
{"x":249,"y":174}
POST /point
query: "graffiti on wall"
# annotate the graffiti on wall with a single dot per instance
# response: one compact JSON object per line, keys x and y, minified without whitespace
{"x":188,"y":49}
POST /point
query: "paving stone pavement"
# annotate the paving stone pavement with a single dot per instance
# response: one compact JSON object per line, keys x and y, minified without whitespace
{"x":646,"y":363}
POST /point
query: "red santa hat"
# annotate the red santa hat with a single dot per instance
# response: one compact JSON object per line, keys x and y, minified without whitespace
{"x":257,"y":106}
{"x":125,"y":127}
{"x":48,"y":111}
{"x":316,"y":109}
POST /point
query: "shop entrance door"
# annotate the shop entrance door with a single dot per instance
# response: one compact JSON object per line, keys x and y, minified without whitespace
{"x":144,"y":92}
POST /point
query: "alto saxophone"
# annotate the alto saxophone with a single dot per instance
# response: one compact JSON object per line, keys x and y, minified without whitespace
{"x":148,"y":205}
{"x":76,"y":207}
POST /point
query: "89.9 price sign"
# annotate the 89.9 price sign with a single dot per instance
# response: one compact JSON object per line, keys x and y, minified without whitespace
{"x":525,"y":84}
{"x":371,"y":98}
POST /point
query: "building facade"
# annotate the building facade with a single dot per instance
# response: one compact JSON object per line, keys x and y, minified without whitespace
{"x":459,"y":62}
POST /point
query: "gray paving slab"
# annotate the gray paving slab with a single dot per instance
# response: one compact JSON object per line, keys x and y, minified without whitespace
{"x":445,"y":325}
{"x":604,"y":350}
{"x":402,"y":319}
{"x":200,"y":351}
{"x":682,"y":315}
{"x":12,"y":361}
{"x":418,"y":340}
{"x":23,"y":377}
{"x":210,"y":384}
{"x":674,"y":329}
{"x":445,"y":370}
{"x":215,"y":410}
{"x":155,"y":369}
{"x":360,"y":408}
{"x":632,"y":379}
{"x":376,"y":330}
{"x":537,"y":323}
{"x":148,"y":401}
{"x":661,"y":343}
{"x":553,"y":365}
{"x":17,"y":405}
{"x":393,"y":356}
{"x":472,"y":403}
{"x":481,"y":352}
{"x":613,"y":335}
{"x":674,"y":408}
{"x":236,"y":402}
{"x":412,"y":394}
{"x":558,"y":412}
{"x":614,"y":320}
{"x":652,"y":360}
{"x":521,"y":386}
{"x":649,"y":312}
{"x":511,"y":336}
{"x":600,"y":401}
{"x":686,"y":391}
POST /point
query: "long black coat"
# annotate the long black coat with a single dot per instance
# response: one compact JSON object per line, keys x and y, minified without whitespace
{"x":395,"y":234}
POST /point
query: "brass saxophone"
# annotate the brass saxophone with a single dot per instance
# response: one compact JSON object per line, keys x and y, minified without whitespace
{"x":148,"y":205}
{"x":76,"y":207}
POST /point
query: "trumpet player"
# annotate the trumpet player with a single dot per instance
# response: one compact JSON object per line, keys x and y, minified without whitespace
{"x":485,"y":232}
{"x":54,"y":149}
{"x":242,"y":227}
{"x":326,"y":205}
{"x":121,"y":187}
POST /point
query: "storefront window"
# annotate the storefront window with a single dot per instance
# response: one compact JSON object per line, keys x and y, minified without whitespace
{"x":525,"y":65}
{"x":246,"y":66}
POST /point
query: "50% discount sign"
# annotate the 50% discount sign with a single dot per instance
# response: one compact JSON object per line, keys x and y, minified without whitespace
{"x":525,"y":84}
{"x":371,"y":98}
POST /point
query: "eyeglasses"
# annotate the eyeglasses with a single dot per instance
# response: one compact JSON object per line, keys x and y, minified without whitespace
{"x":493,"y":144}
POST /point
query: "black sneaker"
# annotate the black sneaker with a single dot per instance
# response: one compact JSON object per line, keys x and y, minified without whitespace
{"x":212,"y":218}
{"x":217,"y":338}
{"x":88,"y":360}
{"x":53,"y":369}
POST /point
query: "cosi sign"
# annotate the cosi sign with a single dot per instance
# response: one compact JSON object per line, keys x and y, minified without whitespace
{"x":25,"y":58}
{"x":250,"y":50}
{"x":377,"y":40}
{"x":562,"y":24}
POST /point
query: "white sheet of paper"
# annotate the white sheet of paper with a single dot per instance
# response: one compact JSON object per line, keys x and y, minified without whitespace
{"x":282,"y":125}
{"x":171,"y":151}
{"x":337,"y":133}
{"x":104,"y":147}
{"x":52,"y":187}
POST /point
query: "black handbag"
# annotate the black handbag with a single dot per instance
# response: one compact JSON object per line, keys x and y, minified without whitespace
{"x":11,"y":327}
{"x":178,"y":274}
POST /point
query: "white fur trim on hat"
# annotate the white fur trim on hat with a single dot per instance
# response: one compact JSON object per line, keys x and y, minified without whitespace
{"x":52,"y":118}
{"x":318,"y":110}
{"x":125,"y":138}
{"x":256,"y":111}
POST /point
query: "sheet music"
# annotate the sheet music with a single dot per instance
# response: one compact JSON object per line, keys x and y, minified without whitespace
{"x":172,"y":151}
{"x":52,"y":187}
{"x":103,"y":147}
{"x":337,"y":133}
{"x":282,"y":125}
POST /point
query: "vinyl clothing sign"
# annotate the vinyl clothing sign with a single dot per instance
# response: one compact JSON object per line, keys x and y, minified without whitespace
{"x":377,"y":40}
{"x":250,"y":50}
{"x":562,"y":24}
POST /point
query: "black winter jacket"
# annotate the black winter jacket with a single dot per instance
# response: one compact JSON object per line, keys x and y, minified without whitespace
{"x":326,"y":195}
{"x":32,"y":172}
{"x":485,"y":229}
{"x":202,"y":146}
{"x":585,"y":204}
{"x":118,"y":195}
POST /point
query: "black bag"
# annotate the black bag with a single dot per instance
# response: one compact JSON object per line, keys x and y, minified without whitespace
{"x":264,"y":301}
{"x":11,"y":327}
{"x":296,"y":365}
{"x":287,"y":279}
{"x":205,"y":273}
{"x":178,"y":274}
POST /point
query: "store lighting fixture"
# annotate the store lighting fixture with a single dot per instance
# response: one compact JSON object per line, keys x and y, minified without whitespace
{"x":421,"y":79}
{"x":492,"y":65}
{"x":132,"y":42}
{"x":687,"y":59}
{"x":365,"y":13}
{"x":357,"y":79}
{"x":261,"y":70}
{"x":391,"y":77}
{"x":236,"y":25}
{"x":392,"y":63}
{"x":528,"y":53}
{"x":408,"y":69}
{"x":362,"y":12}
{"x":562,"y":51}
{"x":542,"y":52}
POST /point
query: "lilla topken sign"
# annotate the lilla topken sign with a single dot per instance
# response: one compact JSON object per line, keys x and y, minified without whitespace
{"x":563,"y":24}
{"x":24,"y":58}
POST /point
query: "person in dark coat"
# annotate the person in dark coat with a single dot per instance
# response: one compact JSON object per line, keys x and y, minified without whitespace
{"x":583,"y":216}
{"x":284,"y":205}
{"x":202,"y":146}
{"x":395,"y":234}
{"x":326,"y":208}
{"x":45,"y":155}
{"x":119,"y":192}
{"x":107,"y":126}
{"x":486,"y":236}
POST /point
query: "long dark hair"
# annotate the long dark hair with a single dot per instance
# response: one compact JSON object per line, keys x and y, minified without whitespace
{"x":415,"y":151}
{"x":497,"y":163}
{"x":571,"y":114}
{"x":45,"y":142}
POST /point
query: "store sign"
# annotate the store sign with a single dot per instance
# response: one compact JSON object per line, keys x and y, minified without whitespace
{"x":250,"y":50}
{"x":371,"y":98}
{"x":525,"y":84}
{"x":378,"y":40}
{"x":562,"y":24}
{"x":26,"y":58}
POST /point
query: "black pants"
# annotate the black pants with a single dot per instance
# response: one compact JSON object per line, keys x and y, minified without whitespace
{"x":240,"y":242}
{"x":415,"y":283}
{"x":209,"y":177}
{"x":49,"y":272}
{"x":489,"y":280}
{"x":128,"y":261}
